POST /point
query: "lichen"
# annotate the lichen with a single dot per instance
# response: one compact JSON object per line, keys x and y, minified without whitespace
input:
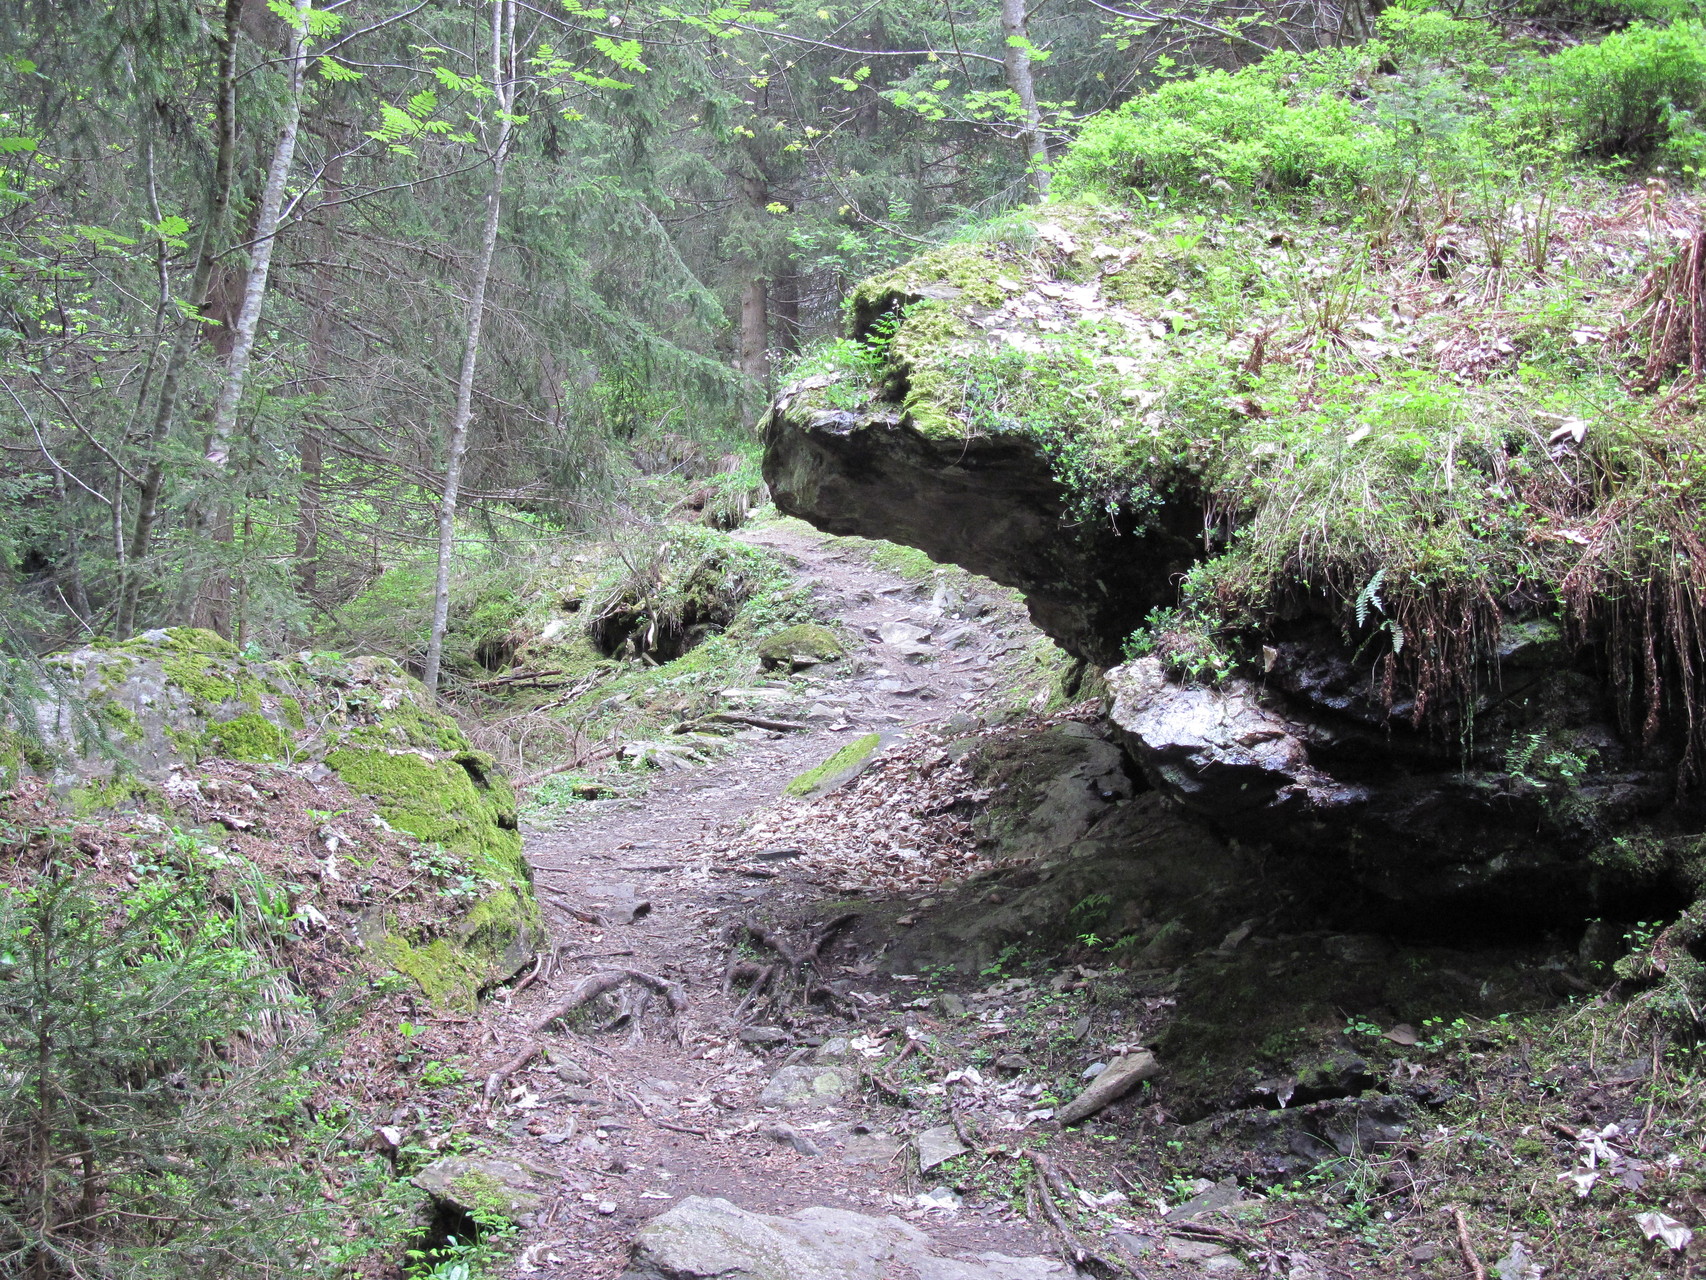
{"x":850,"y":757}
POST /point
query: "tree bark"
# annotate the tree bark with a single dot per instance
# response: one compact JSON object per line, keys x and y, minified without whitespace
{"x":503,"y":36}
{"x":216,"y":217}
{"x":1016,"y":59}
{"x":260,"y":255}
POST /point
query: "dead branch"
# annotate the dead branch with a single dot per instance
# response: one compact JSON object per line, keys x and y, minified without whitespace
{"x":757,"y":722}
{"x":1467,"y":1246}
{"x":1076,"y":1251}
{"x":495,"y":1081}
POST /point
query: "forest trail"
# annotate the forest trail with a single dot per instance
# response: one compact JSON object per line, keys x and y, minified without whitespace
{"x":614,"y":1127}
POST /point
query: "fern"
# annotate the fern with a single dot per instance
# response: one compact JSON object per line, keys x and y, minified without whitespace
{"x":1370,"y":595}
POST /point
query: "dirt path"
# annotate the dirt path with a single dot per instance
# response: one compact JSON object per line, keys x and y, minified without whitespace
{"x":616,"y":1126}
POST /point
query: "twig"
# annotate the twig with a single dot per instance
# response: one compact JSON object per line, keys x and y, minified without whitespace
{"x":1470,"y":1259}
{"x":681,"y":1128}
{"x":757,"y":722}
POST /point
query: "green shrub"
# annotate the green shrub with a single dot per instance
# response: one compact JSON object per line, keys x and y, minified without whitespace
{"x":1229,"y":131}
{"x":140,"y":1102}
{"x":1632,"y":94}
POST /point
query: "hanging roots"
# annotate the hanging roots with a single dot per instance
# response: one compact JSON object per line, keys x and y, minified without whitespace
{"x":793,"y":977}
{"x":1672,"y":301}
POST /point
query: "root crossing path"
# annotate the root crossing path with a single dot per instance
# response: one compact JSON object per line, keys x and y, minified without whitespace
{"x":698,"y":981}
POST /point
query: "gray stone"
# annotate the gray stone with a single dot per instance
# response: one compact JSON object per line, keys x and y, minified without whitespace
{"x":804,"y":1084}
{"x":711,"y":1239}
{"x":835,"y":1049}
{"x":950,"y":1005}
{"x":903,"y":634}
{"x":472,"y":1184}
{"x":1122,"y":1075}
{"x":938,"y":1145}
{"x":1222,"y":1195}
{"x":785,"y":1135}
{"x":870,"y":1148}
{"x":764,"y":1035}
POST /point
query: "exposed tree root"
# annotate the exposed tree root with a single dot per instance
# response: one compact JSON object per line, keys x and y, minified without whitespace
{"x":1467,"y":1246}
{"x":634,"y":1004}
{"x":791,"y":979}
{"x":1047,"y":1175}
{"x":496,"y":1081}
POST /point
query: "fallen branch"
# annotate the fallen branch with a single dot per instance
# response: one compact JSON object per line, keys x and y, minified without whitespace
{"x":681,"y":1128}
{"x":1467,"y":1246}
{"x":757,"y":722}
{"x":495,"y":1081}
{"x":519,"y":678}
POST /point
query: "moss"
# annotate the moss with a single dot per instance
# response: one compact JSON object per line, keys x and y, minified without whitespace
{"x":103,"y":794}
{"x":804,"y":640}
{"x":247,"y":737}
{"x":291,"y":709}
{"x":487,"y":945}
{"x":835,"y":769}
{"x":117,"y":718}
{"x":908,"y":562}
{"x":459,"y":802}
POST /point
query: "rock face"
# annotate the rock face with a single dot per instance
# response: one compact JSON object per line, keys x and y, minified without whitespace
{"x":702,"y":1238}
{"x":989,"y":503}
{"x":1312,"y":765}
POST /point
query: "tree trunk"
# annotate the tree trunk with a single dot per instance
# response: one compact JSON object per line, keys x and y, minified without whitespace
{"x":503,"y":35}
{"x":260,"y":255}
{"x":216,"y":216}
{"x":755,"y":332}
{"x":1016,"y":58}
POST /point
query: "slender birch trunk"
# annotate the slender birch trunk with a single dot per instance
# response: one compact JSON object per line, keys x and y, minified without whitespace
{"x":1016,"y":58}
{"x":260,"y":256}
{"x":503,"y":36}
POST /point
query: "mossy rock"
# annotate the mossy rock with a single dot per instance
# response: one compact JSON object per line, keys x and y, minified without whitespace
{"x":799,"y":646}
{"x":171,"y":697}
{"x":498,"y":935}
{"x":839,"y":769}
{"x":459,"y":801}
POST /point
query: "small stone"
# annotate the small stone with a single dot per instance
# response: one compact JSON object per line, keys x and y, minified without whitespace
{"x":607,"y":1207}
{"x":939,"y":1198}
{"x":1012,"y":1062}
{"x":785,"y":1135}
{"x":938,"y":1145}
{"x":950,"y":1005}
{"x":1092,"y":1071}
{"x":1221,"y":1195}
{"x":835,"y":1049}
{"x":764,"y":1036}
{"x":903,"y":633}
{"x":1424,"y":1253}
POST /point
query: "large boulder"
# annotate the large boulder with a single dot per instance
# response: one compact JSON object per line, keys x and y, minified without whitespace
{"x":711,"y":1239}
{"x":145,"y":708}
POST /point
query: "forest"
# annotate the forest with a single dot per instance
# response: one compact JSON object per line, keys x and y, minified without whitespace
{"x":1023,"y":641}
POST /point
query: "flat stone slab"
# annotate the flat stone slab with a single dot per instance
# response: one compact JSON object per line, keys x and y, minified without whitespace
{"x":475,"y":1185}
{"x":711,"y":1239}
{"x":805,"y":1083}
{"x":935,"y":1146}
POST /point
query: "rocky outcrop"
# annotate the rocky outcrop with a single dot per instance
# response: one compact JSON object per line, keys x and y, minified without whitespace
{"x":145,"y":709}
{"x":1446,"y":780}
{"x":701,"y":1238}
{"x":989,"y":503}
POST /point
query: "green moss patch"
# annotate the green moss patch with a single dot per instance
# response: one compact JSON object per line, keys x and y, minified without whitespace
{"x":459,"y":802}
{"x":836,"y":770}
{"x":806,"y":641}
